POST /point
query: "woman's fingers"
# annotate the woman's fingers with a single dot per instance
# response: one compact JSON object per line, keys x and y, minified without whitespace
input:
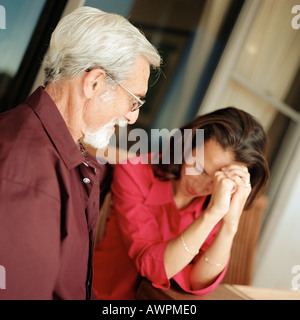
{"x":238,"y":171}
{"x":223,"y":187}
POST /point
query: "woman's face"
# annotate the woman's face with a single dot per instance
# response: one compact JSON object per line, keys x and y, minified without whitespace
{"x":189,"y":187}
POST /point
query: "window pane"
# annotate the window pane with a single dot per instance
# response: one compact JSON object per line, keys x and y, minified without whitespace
{"x":269,"y":58}
{"x":21,"y":18}
{"x":121,"y":7}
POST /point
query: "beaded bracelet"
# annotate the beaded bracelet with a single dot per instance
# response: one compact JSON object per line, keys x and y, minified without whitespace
{"x":186,"y":248}
{"x":212,"y":264}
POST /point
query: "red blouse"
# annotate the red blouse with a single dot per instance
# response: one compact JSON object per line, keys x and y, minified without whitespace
{"x":142,"y":220}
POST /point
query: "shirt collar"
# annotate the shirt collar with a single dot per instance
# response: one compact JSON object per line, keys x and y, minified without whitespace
{"x":161,"y":193}
{"x":54,"y":124}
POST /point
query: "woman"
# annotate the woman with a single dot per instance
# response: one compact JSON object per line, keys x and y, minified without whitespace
{"x":165,"y":224}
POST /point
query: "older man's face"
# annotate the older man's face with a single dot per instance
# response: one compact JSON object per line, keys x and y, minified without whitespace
{"x":115,"y":105}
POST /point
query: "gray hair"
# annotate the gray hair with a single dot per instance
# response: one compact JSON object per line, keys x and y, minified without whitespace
{"x":89,"y":38}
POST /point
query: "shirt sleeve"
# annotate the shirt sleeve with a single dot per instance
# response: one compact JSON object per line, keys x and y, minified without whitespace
{"x":29,"y":237}
{"x":183,"y":280}
{"x":139,"y":228}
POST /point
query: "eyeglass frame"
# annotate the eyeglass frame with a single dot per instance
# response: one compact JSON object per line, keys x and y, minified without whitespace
{"x":141,"y":102}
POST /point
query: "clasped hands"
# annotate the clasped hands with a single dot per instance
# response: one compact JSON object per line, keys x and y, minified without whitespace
{"x":230,"y":191}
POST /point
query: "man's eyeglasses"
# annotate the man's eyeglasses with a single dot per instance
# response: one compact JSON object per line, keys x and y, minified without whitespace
{"x":136,"y":104}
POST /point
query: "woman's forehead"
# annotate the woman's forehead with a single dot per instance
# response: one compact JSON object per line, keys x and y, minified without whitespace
{"x":211,"y":154}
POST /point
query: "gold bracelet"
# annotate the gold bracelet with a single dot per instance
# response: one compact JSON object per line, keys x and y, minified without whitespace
{"x":186,"y":248}
{"x":212,"y":264}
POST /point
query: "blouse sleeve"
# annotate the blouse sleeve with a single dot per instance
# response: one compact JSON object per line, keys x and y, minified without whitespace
{"x":183,"y":280}
{"x":139,"y":228}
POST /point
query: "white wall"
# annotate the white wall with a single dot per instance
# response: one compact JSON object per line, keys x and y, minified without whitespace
{"x":279,"y":248}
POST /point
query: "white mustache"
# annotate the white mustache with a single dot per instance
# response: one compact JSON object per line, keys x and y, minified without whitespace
{"x":121,"y":122}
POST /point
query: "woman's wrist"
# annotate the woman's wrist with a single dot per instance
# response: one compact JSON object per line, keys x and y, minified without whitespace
{"x":229,"y":227}
{"x":212,"y":215}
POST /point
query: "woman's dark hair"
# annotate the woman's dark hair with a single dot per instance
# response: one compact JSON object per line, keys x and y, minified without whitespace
{"x":234,"y":130}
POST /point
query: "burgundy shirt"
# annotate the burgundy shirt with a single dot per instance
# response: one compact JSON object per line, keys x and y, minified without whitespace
{"x":49,"y":204}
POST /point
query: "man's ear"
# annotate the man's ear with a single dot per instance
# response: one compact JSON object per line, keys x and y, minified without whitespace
{"x":93,"y":83}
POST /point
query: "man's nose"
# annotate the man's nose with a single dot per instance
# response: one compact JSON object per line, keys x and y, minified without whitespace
{"x":131,"y":117}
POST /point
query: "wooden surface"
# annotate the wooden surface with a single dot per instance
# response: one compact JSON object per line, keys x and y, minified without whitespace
{"x":256,"y":293}
{"x":222,"y":292}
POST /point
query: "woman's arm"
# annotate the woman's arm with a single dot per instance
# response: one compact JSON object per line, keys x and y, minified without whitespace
{"x":228,"y":199}
{"x":181,"y":250}
{"x":211,"y":263}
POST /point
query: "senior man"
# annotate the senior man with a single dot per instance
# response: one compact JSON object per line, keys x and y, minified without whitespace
{"x":97,"y":71}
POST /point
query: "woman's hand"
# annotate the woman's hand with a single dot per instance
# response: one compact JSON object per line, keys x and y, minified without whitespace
{"x":222,"y":190}
{"x":241,"y":178}
{"x":231,"y":189}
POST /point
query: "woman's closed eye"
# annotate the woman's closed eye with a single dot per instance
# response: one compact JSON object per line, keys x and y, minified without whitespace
{"x":199,"y":169}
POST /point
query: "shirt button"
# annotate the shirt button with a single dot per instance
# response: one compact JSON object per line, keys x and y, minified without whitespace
{"x":86,"y":180}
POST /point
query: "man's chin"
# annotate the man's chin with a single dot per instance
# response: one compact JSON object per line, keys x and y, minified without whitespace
{"x":98,"y":141}
{"x":97,"y":145}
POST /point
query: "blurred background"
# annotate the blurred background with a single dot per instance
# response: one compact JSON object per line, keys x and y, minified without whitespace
{"x":216,"y":53}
